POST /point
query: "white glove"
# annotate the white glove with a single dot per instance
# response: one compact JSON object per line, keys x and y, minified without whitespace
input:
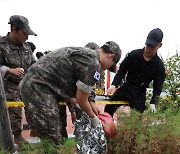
{"x":111,"y":89}
{"x":95,"y":121}
{"x":152,"y":108}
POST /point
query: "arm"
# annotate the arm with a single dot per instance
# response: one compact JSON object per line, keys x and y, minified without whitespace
{"x":70,"y":107}
{"x":72,"y":110}
{"x":158,"y":84}
{"x":123,"y":69}
{"x":5,"y":70}
{"x":92,"y":96}
{"x":91,"y":100}
{"x":82,"y":100}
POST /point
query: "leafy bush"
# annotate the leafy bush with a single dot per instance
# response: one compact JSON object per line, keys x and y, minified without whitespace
{"x":146,"y":133}
{"x":172,"y":82}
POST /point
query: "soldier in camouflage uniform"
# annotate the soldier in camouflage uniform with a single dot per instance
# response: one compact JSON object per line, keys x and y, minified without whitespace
{"x":63,"y":74}
{"x":15,"y":59}
{"x":75,"y":111}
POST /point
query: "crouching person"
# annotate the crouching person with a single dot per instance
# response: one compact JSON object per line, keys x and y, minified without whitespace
{"x":69,"y":72}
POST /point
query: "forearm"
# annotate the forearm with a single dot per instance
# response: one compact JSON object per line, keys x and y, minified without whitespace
{"x":118,"y":78}
{"x":155,"y":97}
{"x":82,"y":100}
{"x":157,"y":86}
{"x":86,"y":107}
{"x":92,"y":96}
{"x":70,"y":107}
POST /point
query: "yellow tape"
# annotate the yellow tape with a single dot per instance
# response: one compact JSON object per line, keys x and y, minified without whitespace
{"x":113,"y":102}
{"x":21,"y":104}
{"x":15,"y":104}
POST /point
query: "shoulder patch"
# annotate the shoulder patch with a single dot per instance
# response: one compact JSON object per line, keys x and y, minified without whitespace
{"x":97,"y":76}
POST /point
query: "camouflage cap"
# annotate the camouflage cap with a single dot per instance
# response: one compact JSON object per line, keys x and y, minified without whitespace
{"x":115,"y":49}
{"x":92,"y":45}
{"x":22,"y":23}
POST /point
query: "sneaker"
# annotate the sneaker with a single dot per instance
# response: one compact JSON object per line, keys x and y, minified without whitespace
{"x":20,"y":140}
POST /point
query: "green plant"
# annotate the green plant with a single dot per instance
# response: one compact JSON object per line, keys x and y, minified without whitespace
{"x":147,"y":133}
{"x":4,"y":151}
{"x":172,"y":82}
{"x":69,"y":147}
{"x":43,"y":147}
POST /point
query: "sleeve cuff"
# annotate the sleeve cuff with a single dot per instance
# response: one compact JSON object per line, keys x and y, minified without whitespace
{"x":3,"y":71}
{"x":85,"y":88}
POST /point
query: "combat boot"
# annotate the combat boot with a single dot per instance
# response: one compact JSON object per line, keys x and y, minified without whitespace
{"x":18,"y":139}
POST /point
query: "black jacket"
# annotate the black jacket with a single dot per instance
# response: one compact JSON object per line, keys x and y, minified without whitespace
{"x":140,"y":72}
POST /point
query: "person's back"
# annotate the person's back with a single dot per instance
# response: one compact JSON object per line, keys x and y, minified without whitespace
{"x":64,"y":59}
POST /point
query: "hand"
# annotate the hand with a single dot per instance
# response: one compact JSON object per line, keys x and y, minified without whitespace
{"x":73,"y":117}
{"x":111,"y":89}
{"x":95,"y":121}
{"x":152,"y":108}
{"x":72,"y":100}
{"x":16,"y":71}
{"x":95,"y":109}
{"x":77,"y":106}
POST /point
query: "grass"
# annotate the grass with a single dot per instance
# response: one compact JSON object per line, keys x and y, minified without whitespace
{"x":45,"y":147}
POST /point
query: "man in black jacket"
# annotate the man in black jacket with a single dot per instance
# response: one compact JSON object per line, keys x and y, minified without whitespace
{"x":141,"y":66}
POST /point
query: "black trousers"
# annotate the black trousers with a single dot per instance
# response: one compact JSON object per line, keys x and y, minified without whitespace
{"x":63,"y":120}
{"x":135,"y":95}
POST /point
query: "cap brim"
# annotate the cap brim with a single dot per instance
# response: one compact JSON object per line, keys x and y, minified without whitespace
{"x":113,"y":68}
{"x":152,"y":43}
{"x":29,"y":32}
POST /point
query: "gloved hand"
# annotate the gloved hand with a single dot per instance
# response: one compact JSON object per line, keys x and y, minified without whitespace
{"x":152,"y":108}
{"x":95,"y":121}
{"x":111,"y":89}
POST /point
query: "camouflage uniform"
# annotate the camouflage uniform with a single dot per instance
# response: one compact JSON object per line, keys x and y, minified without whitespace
{"x":13,"y":56}
{"x":72,"y":108}
{"x":55,"y":78}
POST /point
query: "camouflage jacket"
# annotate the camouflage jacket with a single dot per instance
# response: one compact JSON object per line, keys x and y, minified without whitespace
{"x":13,"y":56}
{"x":65,"y":69}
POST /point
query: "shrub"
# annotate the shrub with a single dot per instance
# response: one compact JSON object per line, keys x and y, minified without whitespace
{"x":146,"y":133}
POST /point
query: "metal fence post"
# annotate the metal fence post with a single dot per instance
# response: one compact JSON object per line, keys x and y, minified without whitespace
{"x":6,"y":138}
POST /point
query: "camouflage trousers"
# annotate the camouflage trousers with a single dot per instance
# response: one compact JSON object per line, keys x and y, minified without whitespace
{"x":63,"y":118}
{"x":15,"y":114}
{"x":42,"y":112}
